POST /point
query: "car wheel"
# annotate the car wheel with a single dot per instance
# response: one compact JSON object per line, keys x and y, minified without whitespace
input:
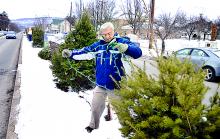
{"x":209,"y":73}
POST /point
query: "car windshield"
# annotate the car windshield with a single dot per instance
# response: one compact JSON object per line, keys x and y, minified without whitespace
{"x":11,"y":32}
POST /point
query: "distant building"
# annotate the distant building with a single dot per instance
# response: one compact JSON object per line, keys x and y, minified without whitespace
{"x":54,"y":27}
{"x":65,"y":26}
{"x":123,"y":28}
{"x":59,"y":26}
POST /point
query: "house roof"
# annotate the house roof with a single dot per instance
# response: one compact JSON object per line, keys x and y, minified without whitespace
{"x":57,"y":21}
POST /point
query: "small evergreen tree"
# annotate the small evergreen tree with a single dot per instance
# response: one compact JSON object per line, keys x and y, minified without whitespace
{"x":38,"y":37}
{"x":45,"y":53}
{"x":169,"y":107}
{"x":77,"y":74}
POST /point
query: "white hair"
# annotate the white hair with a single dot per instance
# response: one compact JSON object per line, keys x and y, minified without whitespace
{"x":107,"y":25}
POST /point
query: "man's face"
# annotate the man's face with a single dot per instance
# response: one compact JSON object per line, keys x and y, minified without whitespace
{"x":107,"y":34}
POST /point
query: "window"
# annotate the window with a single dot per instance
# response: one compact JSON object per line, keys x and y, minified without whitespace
{"x":184,"y":52}
{"x":197,"y":52}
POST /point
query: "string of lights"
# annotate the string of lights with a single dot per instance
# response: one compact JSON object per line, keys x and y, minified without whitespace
{"x":77,"y":71}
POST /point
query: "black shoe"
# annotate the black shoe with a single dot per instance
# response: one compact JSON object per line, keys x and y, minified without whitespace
{"x":89,"y":129}
{"x":108,"y":117}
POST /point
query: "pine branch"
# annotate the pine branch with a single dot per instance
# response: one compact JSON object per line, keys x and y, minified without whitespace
{"x":187,"y":118}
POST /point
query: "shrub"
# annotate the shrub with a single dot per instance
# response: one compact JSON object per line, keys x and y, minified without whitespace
{"x":45,"y":54}
{"x":38,"y":37}
{"x":169,"y":107}
{"x":79,"y":75}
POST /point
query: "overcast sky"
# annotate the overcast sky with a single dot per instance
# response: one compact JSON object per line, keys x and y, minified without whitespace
{"x":60,"y":8}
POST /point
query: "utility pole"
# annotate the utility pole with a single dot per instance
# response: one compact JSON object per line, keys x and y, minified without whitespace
{"x":151,"y":24}
{"x":101,"y":12}
{"x":71,"y":8}
{"x":71,"y":11}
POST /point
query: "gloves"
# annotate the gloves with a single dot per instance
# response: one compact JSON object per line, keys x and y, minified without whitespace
{"x":66,"y":53}
{"x":121,"y":47}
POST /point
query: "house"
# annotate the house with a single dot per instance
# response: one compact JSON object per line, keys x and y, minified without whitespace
{"x":123,"y":28}
{"x":65,"y":26}
{"x":58,"y":26}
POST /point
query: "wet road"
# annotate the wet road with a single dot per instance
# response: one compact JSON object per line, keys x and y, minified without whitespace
{"x":9,"y":52}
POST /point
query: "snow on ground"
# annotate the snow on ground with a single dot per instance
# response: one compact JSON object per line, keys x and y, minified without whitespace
{"x":46,"y":112}
{"x":172,"y":45}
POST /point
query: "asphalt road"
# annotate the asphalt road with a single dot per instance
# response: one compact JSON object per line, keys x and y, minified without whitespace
{"x":9,"y":52}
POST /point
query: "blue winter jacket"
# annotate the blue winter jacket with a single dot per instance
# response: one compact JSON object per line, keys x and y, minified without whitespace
{"x":109,"y":66}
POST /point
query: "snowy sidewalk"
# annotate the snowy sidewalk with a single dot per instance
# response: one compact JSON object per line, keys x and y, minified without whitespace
{"x":46,"y":112}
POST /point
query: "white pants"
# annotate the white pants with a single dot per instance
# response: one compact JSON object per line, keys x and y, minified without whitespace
{"x":98,"y":105}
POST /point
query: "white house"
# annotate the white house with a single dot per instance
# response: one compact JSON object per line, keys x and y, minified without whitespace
{"x":65,"y":26}
{"x":59,"y":26}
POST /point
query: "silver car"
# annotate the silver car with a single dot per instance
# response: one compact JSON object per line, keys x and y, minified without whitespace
{"x":10,"y":35}
{"x":206,"y":58}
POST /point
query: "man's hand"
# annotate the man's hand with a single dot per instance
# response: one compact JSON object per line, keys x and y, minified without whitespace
{"x":121,"y":47}
{"x":66,"y":53}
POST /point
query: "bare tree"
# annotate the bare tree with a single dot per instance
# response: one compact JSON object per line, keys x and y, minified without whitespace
{"x":71,"y":18}
{"x":147,"y":9}
{"x":185,"y":25}
{"x":14,"y":27}
{"x":92,"y":9}
{"x":151,"y":21}
{"x":101,"y":11}
{"x":79,"y":9}
{"x":108,"y":10}
{"x":41,"y":23}
{"x":189,"y":26}
{"x":217,"y":22}
{"x":203,"y":26}
{"x":192,"y":24}
{"x":165,"y":26}
{"x":134,"y":14}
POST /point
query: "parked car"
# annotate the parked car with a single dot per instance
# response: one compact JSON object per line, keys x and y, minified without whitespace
{"x":10,"y":35}
{"x":206,"y":58}
{"x":1,"y":34}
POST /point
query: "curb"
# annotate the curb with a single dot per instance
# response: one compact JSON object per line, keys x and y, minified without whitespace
{"x":15,"y":101}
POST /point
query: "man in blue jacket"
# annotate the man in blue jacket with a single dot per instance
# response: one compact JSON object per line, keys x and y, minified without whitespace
{"x":109,"y":68}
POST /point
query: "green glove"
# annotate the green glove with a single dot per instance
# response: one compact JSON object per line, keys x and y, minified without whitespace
{"x":121,"y":47}
{"x":112,"y":43}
